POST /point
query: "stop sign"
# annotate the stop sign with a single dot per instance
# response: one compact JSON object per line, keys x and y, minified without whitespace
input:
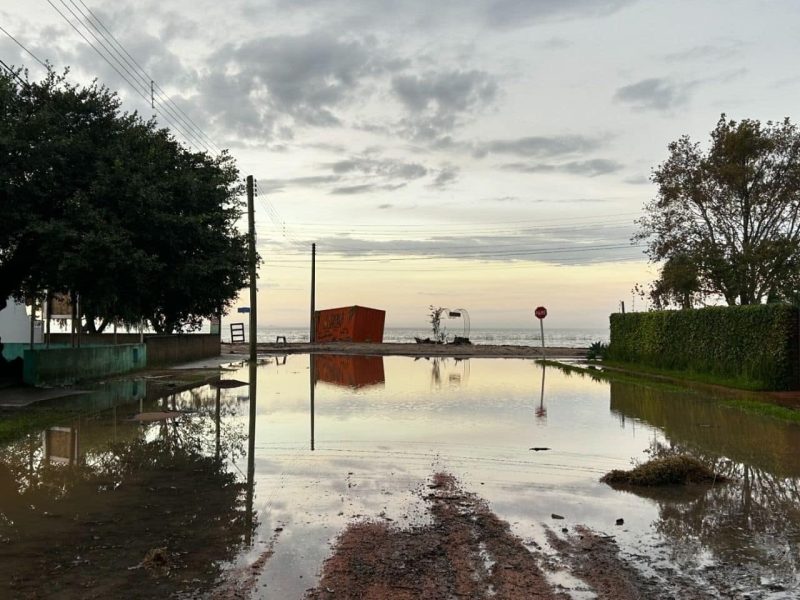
{"x":540,"y":312}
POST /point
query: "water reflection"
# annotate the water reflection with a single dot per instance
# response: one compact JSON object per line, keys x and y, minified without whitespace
{"x":541,"y":411}
{"x":84,"y":501}
{"x":755,"y":519}
{"x":348,"y":371}
{"x":454,"y":371}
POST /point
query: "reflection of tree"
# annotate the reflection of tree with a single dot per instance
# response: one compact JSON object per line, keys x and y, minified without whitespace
{"x":754,"y":519}
{"x":439,"y":364}
{"x":87,"y":524}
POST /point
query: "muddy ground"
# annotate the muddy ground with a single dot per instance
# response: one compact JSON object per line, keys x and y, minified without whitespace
{"x":469,"y":552}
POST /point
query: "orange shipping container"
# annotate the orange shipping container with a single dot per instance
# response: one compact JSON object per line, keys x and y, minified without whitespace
{"x":350,"y":324}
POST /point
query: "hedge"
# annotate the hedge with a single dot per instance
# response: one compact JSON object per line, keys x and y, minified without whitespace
{"x":754,"y":347}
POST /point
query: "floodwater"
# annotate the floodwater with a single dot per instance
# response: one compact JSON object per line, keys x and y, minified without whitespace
{"x":234,"y":498}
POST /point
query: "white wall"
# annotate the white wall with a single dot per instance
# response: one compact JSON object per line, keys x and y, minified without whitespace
{"x":15,"y":325}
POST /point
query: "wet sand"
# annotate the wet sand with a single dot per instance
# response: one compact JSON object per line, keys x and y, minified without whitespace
{"x":449,"y":350}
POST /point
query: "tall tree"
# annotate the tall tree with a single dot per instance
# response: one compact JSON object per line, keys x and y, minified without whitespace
{"x":51,"y":134}
{"x":728,"y":217}
{"x":104,"y":204}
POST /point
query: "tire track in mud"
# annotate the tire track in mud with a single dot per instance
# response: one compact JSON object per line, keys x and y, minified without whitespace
{"x":467,"y":551}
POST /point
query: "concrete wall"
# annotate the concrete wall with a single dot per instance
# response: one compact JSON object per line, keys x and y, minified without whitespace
{"x":17,"y":350}
{"x":58,"y":366}
{"x":171,"y":349}
{"x":161,"y":349}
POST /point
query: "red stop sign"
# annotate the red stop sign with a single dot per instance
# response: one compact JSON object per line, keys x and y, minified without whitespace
{"x":540,"y":312}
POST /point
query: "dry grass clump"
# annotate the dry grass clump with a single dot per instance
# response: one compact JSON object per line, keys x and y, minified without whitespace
{"x":678,"y":469}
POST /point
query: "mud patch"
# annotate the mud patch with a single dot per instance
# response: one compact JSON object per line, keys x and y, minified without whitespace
{"x":466,"y":552}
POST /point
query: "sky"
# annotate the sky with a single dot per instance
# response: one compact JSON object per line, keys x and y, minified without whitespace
{"x":490,"y":155}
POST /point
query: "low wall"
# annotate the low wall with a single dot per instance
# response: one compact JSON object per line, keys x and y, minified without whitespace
{"x":17,"y":349}
{"x":162,"y":350}
{"x":58,"y":366}
{"x":171,"y":349}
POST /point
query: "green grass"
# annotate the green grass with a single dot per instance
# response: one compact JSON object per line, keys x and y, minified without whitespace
{"x":754,"y":406}
{"x":739,"y":383}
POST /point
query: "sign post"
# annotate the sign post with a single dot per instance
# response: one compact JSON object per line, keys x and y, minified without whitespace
{"x":541,"y":313}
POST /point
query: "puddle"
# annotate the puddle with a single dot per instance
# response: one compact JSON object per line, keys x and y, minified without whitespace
{"x":223,"y":484}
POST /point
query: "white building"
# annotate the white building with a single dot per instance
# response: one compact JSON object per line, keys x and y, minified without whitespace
{"x":15,"y":324}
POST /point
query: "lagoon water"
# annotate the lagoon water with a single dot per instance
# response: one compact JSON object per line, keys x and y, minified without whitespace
{"x":563,"y":337}
{"x":333,"y":440}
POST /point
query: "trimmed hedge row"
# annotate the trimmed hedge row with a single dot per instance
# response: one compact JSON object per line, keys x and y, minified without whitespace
{"x":755,"y":347}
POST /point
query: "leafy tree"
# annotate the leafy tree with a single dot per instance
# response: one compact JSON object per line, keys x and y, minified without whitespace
{"x":104,"y":204}
{"x":726,"y":221}
{"x":51,"y":135}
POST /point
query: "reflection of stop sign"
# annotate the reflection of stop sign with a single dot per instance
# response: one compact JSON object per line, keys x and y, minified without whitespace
{"x":540,"y":312}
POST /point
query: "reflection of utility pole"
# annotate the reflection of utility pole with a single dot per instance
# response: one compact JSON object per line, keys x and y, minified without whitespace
{"x":216,"y":420}
{"x":251,"y":455}
{"x":541,"y":412}
{"x":312,"y":385}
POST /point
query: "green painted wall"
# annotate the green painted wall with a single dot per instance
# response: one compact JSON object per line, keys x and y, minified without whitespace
{"x":58,"y":366}
{"x":17,"y":349}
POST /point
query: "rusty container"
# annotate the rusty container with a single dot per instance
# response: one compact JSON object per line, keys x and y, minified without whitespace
{"x":350,"y":324}
{"x":348,"y":371}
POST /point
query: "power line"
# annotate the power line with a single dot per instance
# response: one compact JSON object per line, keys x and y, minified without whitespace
{"x":123,"y":53}
{"x":461,"y":255}
{"x":404,"y":226}
{"x":504,"y":265}
{"x":20,"y":44}
{"x":128,"y":81}
{"x":80,"y":19}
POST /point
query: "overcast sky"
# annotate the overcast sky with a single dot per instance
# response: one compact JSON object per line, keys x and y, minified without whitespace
{"x":490,"y":155}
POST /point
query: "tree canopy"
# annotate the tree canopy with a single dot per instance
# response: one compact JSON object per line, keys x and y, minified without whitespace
{"x":726,"y":220}
{"x":104,"y":204}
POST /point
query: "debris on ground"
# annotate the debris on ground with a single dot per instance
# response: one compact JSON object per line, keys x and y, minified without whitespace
{"x":679,"y":469}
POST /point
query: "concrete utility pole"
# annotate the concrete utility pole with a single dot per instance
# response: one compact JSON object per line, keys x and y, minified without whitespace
{"x":312,"y":332}
{"x":251,"y":227}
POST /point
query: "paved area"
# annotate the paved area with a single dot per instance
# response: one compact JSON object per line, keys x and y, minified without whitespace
{"x":20,"y":396}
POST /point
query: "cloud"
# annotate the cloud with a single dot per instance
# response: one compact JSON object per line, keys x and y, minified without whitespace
{"x":719,"y":51}
{"x":638,"y":180}
{"x":446,"y":175}
{"x":436,"y":102}
{"x":588,"y":168}
{"x":539,"y":146}
{"x":255,"y":86}
{"x":516,"y":13}
{"x":557,"y":244}
{"x":279,"y":185}
{"x":423,"y":15}
{"x":385,"y":206}
{"x":351,"y":190}
{"x":383,"y":168}
{"x":654,"y":94}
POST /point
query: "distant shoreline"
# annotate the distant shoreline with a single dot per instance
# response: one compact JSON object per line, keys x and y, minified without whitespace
{"x":397,"y":349}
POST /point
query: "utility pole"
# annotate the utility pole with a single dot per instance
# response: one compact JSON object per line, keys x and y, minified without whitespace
{"x":251,"y":227}
{"x":312,"y":332}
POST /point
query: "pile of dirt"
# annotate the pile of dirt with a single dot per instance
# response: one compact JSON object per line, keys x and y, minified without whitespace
{"x":679,"y":469}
